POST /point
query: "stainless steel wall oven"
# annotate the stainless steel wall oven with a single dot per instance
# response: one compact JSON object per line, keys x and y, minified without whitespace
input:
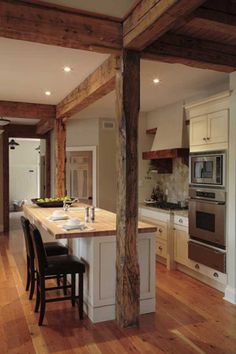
{"x":207,"y":216}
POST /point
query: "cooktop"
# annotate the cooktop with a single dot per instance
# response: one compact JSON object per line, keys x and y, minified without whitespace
{"x":166,"y":206}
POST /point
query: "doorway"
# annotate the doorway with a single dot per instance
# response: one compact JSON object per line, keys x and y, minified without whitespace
{"x":24,"y":172}
{"x":81,"y":174}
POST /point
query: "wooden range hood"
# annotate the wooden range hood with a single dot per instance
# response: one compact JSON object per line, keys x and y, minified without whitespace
{"x":162,"y":160}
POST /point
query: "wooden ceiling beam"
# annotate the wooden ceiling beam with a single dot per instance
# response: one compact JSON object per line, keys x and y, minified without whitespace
{"x":153,"y":18}
{"x":95,"y":86}
{"x":26,"y":110}
{"x":23,"y":131}
{"x":44,"y":126}
{"x":214,"y":20}
{"x":35,"y":22}
{"x":193,"y":52}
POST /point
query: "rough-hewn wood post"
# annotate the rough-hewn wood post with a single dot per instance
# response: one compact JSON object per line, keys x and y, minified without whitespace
{"x":127,"y":267}
{"x":60,"y":155}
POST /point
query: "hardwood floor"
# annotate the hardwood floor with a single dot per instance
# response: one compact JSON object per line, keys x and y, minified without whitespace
{"x":190,"y":318}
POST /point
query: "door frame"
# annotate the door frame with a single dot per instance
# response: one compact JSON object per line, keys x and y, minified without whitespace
{"x":24,"y":132}
{"x":94,"y":166}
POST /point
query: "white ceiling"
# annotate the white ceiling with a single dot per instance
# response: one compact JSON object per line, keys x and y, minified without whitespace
{"x":28,"y":69}
{"x":177,"y":83}
{"x":106,"y":7}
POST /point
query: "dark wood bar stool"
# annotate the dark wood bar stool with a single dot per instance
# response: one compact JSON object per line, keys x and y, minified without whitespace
{"x":55,"y":265}
{"x":51,"y":248}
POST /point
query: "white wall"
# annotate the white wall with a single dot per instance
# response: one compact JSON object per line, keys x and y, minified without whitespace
{"x":82,"y":132}
{"x":23,"y":183}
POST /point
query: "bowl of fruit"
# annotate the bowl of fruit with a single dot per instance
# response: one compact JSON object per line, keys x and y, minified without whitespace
{"x":53,"y":202}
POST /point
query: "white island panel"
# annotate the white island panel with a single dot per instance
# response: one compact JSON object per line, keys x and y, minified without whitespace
{"x":99,"y":255}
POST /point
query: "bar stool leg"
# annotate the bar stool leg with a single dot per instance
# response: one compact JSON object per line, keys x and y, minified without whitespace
{"x":64,"y":284}
{"x":37,"y":303}
{"x":28,"y":274}
{"x":42,"y":300}
{"x":32,"y":281}
{"x":81,"y":296}
{"x":73,"y":289}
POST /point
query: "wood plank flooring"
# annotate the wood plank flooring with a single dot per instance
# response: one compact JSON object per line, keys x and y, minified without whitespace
{"x":191,"y":318}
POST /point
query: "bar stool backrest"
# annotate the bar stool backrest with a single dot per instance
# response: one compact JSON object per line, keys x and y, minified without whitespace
{"x":28,"y":241}
{"x":39,"y":250}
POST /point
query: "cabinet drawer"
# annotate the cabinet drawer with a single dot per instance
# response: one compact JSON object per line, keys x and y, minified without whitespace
{"x":161,"y":248}
{"x":162,"y":231}
{"x":207,"y":256}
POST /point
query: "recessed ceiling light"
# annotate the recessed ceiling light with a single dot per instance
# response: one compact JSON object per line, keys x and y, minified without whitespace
{"x":67,"y":69}
{"x":156,"y":80}
{"x":48,"y":93}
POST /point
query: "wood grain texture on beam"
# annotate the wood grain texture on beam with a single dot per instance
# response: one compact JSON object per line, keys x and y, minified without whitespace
{"x":217,"y":21}
{"x":60,"y":156}
{"x":26,"y":110}
{"x":95,"y":86}
{"x":152,"y":18}
{"x":193,"y":52}
{"x":127,"y":266}
{"x":23,"y":131}
{"x":38,"y":23}
{"x":44,"y":126}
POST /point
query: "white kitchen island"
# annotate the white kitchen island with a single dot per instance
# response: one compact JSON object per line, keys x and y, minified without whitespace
{"x":96,"y":247}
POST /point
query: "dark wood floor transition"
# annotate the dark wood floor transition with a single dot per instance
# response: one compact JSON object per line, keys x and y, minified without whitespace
{"x":190,"y":317}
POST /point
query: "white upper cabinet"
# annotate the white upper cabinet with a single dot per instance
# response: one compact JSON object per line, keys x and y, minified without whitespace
{"x":198,"y":130}
{"x":209,"y":123}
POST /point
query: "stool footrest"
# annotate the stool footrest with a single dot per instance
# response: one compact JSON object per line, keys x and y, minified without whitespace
{"x":60,"y":299}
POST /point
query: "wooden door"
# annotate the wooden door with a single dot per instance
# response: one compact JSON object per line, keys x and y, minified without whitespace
{"x":217,"y":127}
{"x":198,"y":130}
{"x":79,"y":175}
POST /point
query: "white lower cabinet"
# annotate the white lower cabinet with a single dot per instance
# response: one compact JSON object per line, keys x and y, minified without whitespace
{"x":172,"y":246}
{"x":181,"y":244}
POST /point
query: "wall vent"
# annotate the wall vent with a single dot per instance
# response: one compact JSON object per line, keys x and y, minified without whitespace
{"x":108,"y":125}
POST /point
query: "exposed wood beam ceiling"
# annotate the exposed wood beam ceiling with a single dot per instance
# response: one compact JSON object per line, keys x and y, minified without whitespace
{"x":152,"y":18}
{"x":97,"y":85}
{"x":196,"y":33}
{"x":23,"y":131}
{"x":38,"y":23}
{"x":193,"y":52}
{"x":27,"y":110}
{"x":44,"y":126}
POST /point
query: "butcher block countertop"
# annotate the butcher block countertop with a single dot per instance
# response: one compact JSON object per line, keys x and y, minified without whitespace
{"x":104,"y":225}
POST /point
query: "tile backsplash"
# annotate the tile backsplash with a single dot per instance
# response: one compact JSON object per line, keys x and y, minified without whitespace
{"x":176,"y":183}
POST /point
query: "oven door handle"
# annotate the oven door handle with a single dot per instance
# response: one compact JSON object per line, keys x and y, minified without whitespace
{"x":199,"y":199}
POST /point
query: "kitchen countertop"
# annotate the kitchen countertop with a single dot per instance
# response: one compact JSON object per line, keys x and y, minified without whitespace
{"x":178,"y":212}
{"x":104,"y":225}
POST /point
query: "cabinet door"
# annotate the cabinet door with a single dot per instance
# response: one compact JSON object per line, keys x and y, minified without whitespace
{"x":217,"y":130}
{"x":198,"y":130}
{"x":181,"y":245}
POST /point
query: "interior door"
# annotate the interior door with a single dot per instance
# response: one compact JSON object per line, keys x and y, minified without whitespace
{"x":79,"y":175}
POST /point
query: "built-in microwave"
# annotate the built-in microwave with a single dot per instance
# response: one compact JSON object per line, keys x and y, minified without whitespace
{"x":207,"y":169}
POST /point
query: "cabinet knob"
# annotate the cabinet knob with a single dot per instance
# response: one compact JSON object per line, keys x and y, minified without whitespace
{"x":208,"y":138}
{"x":216,"y":275}
{"x":160,"y":230}
{"x":160,"y":248}
{"x":204,"y":139}
{"x":197,"y":266}
{"x":181,"y":221}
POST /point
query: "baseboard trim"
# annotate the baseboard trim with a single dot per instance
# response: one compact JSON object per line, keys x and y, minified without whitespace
{"x":230,"y":294}
{"x":107,"y":312}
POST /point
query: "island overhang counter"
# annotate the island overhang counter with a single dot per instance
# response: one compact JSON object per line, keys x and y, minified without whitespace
{"x":96,"y":246}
